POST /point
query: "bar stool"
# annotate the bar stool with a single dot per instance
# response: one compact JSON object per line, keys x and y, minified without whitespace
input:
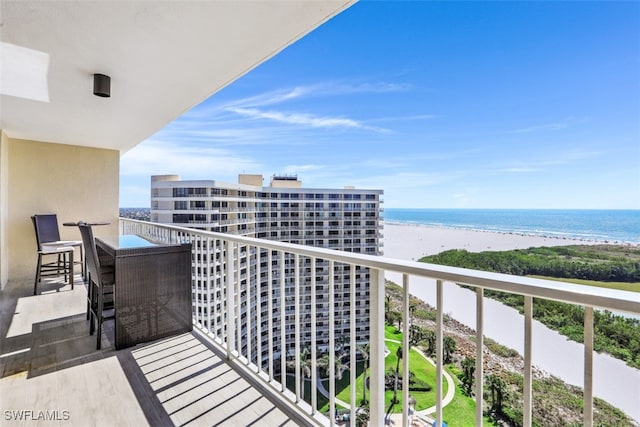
{"x":100,"y":282}
{"x":62,"y":250}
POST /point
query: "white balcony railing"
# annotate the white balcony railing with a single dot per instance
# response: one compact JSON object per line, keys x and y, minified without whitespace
{"x":234,"y":318}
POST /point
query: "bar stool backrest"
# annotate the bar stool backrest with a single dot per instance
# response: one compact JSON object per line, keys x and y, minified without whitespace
{"x":47,"y":230}
{"x":91,"y":253}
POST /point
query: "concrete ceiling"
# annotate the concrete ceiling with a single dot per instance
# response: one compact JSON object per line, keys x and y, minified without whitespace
{"x":164,"y":57}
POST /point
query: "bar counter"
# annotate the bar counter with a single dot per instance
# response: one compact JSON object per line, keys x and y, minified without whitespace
{"x":152,"y":288}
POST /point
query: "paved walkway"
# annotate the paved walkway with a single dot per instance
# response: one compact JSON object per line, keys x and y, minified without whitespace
{"x":451,"y":388}
{"x":422,"y":415}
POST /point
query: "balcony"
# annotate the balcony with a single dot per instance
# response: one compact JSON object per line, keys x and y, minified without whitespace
{"x":49,"y":366}
{"x":50,"y":363}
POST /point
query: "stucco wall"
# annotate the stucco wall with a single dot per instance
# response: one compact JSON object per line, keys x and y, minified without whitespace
{"x":4,"y":188}
{"x":76,"y":183}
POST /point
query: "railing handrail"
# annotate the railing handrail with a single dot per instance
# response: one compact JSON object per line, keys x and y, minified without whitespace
{"x":284,"y":271}
{"x":603,"y":298}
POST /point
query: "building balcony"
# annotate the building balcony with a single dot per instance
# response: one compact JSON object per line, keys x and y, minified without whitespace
{"x":49,"y":363}
{"x":51,"y":373}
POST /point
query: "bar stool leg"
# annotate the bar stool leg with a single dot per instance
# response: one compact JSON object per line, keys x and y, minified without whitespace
{"x":35,"y":284}
{"x":71,"y":268}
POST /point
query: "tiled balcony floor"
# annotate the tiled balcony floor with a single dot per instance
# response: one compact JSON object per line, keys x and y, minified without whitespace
{"x":49,"y":368}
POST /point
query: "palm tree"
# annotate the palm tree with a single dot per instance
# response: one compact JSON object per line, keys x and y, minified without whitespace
{"x":394,"y":400}
{"x":394,"y":317}
{"x":417,"y":334}
{"x":305,"y":367}
{"x":395,"y":385}
{"x":412,"y":309}
{"x":449,"y":346}
{"x":364,"y":351}
{"x":387,"y":304}
{"x":430,"y":338}
{"x":468,"y":371}
{"x":339,"y":367}
{"x":498,"y":390}
{"x":341,"y":342}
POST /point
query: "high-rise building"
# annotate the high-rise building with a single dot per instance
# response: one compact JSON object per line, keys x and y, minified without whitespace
{"x":345,"y":219}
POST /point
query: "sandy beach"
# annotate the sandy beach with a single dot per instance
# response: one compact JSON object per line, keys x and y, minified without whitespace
{"x":613,"y":380}
{"x":411,"y":242}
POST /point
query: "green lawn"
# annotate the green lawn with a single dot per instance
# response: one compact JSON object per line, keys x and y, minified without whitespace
{"x":423,"y":370}
{"x":392,"y":333}
{"x":623,"y":286}
{"x":418,"y":365}
{"x":461,"y":410}
{"x":342,"y":388}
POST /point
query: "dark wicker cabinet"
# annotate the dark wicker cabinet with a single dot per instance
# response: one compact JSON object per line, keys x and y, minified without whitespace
{"x":152,"y":290}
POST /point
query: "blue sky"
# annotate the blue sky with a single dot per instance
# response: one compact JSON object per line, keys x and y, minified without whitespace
{"x":440,"y":104}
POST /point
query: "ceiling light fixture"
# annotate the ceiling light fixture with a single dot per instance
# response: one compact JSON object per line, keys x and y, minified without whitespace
{"x":102,"y":85}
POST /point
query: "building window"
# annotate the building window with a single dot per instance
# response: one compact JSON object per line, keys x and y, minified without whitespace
{"x":180,"y":192}
{"x":181,"y":218}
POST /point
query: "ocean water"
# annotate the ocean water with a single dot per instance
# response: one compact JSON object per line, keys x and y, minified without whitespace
{"x":612,"y":226}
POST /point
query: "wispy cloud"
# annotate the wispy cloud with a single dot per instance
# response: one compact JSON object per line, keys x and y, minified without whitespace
{"x":305,"y":119}
{"x":579,"y":154}
{"x":548,"y":126}
{"x":416,"y":117}
{"x":519,"y":170}
{"x":295,"y":169}
{"x":288,"y":94}
{"x":236,"y":120}
{"x":158,"y":157}
{"x":345,"y":88}
{"x":272,"y":97}
{"x":560,"y":125}
{"x":559,"y":158}
{"x":405,"y":180}
{"x":253,"y":107}
{"x":384,"y":163}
